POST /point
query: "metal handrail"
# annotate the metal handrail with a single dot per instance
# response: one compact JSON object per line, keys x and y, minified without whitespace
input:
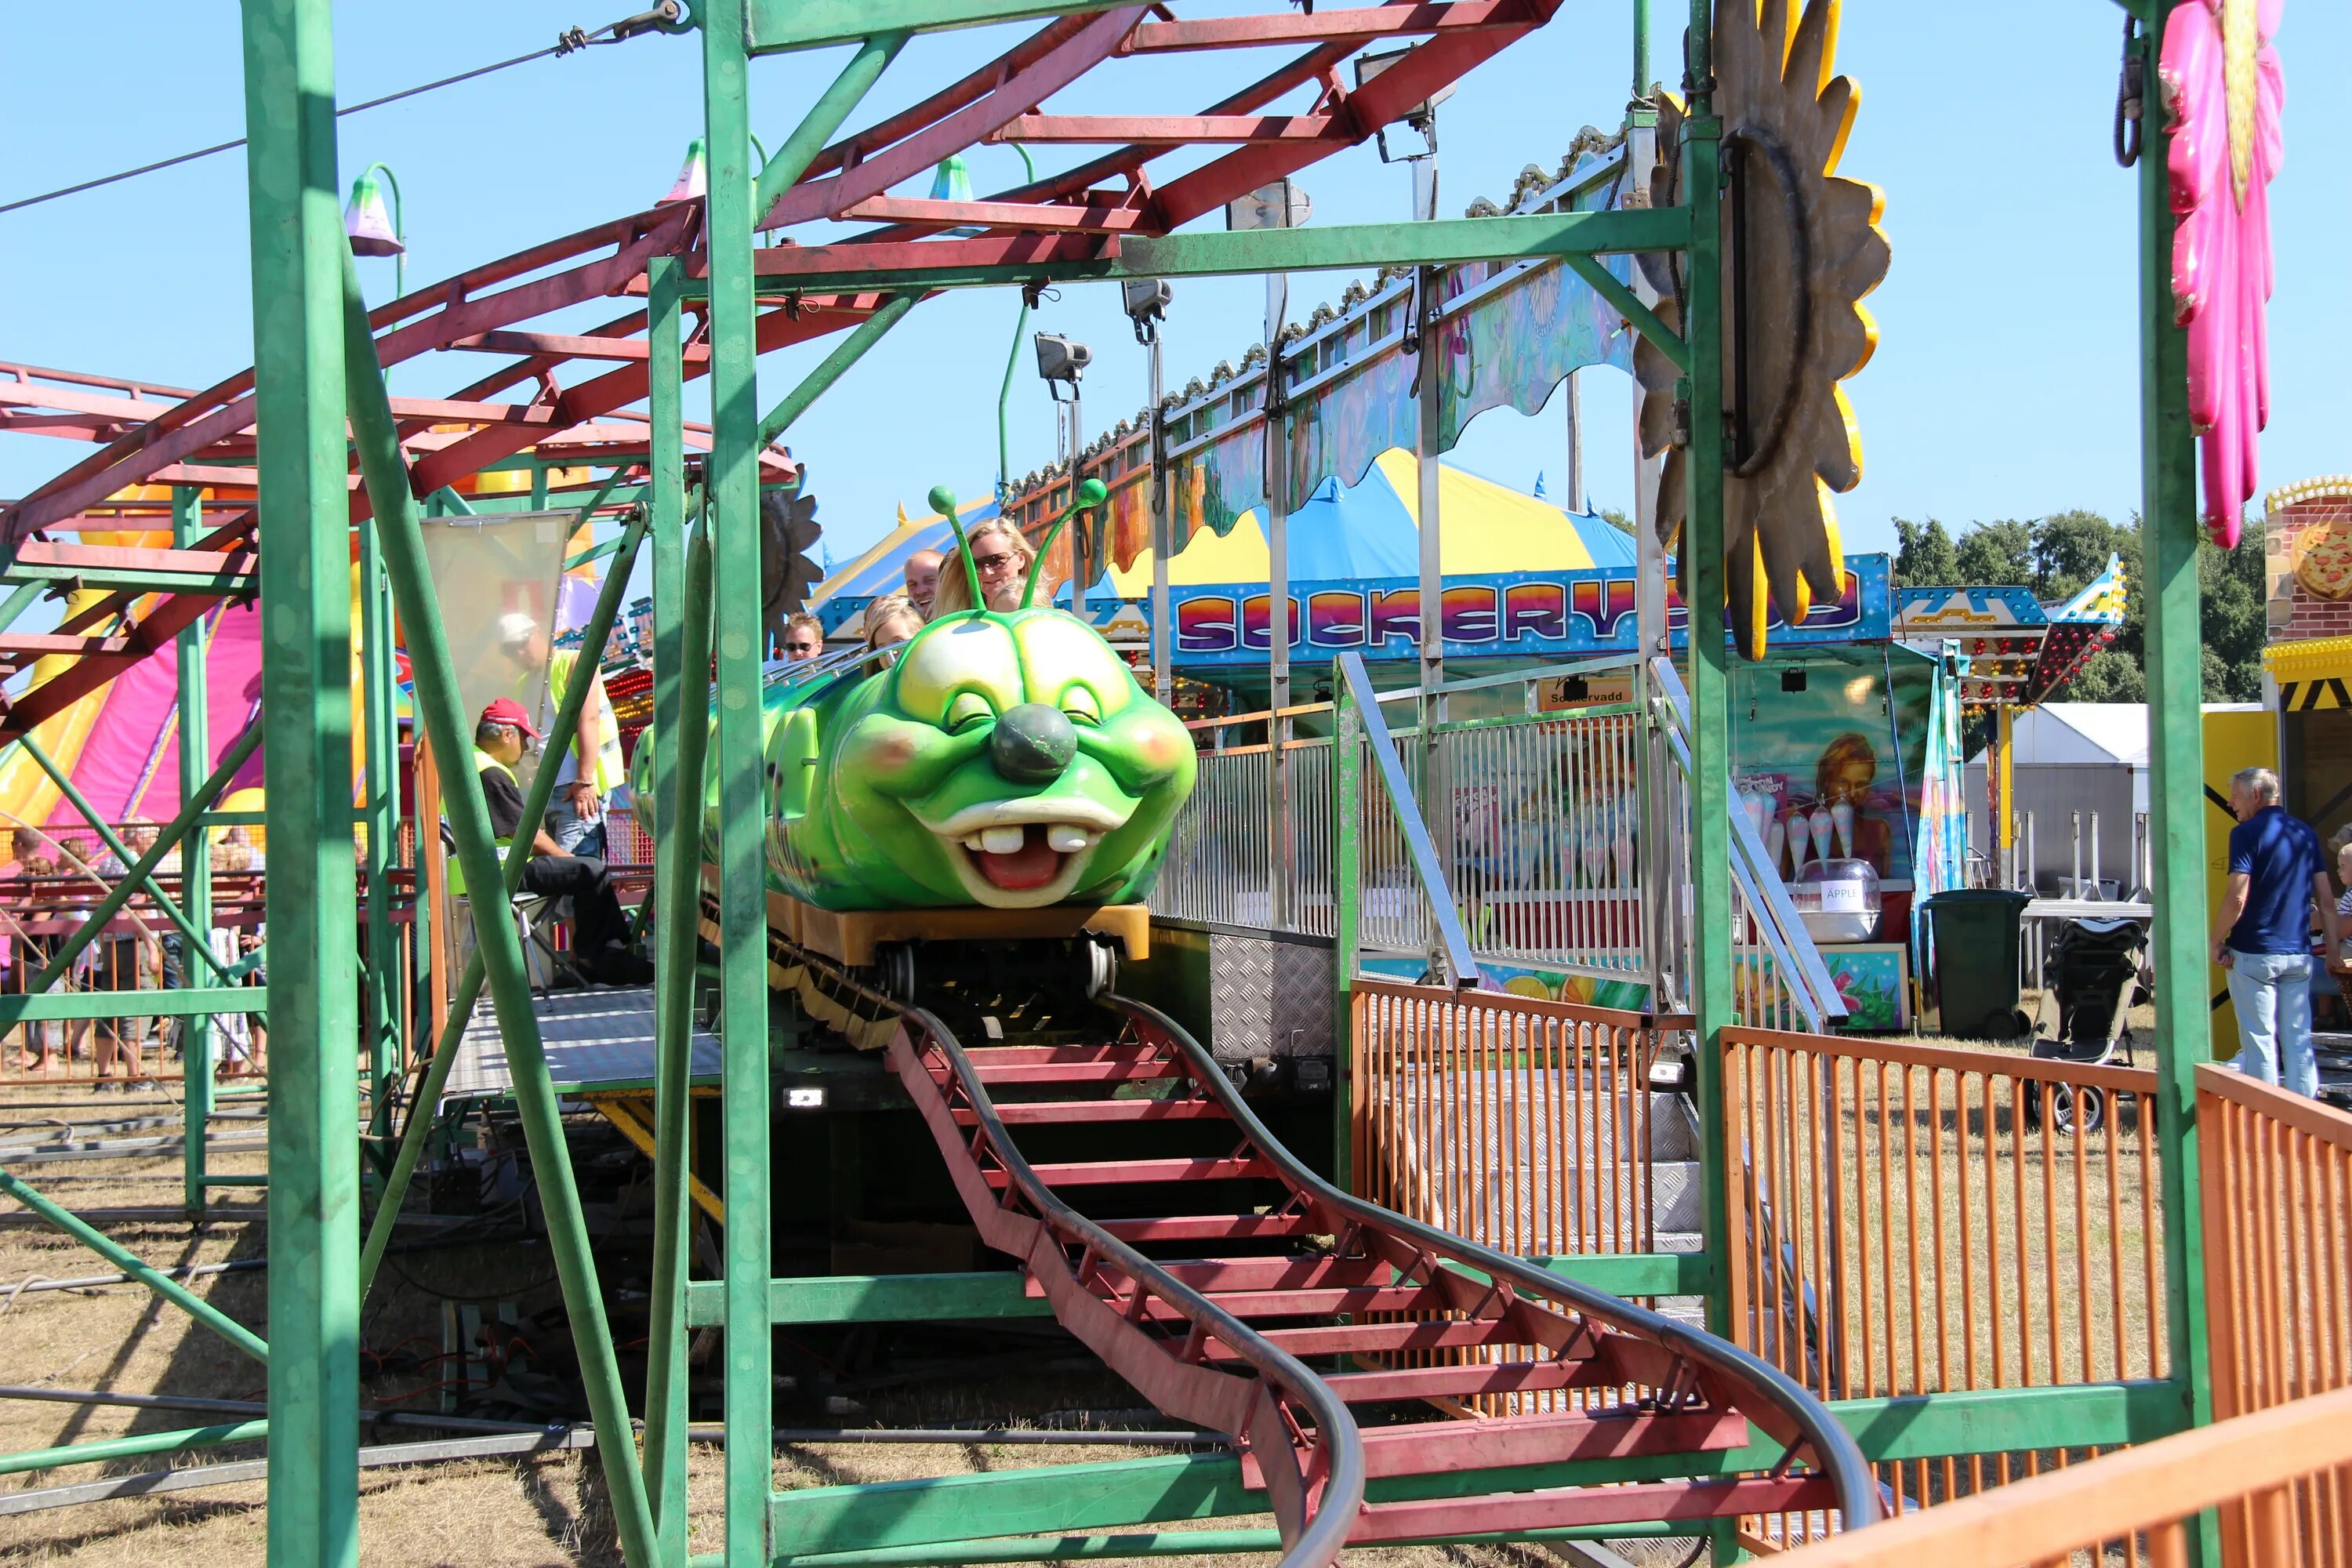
{"x":1815,"y":992}
{"x":1835,"y":1451}
{"x":1443,"y":912}
{"x":1325,"y":1533}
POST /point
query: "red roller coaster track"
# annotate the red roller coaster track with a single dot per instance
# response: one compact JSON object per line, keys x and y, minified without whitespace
{"x":1256,"y":1268}
{"x":576,"y":388}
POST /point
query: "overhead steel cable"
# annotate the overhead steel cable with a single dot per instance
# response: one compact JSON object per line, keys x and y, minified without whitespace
{"x":662,"y":18}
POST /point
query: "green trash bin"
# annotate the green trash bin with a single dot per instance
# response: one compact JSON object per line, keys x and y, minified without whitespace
{"x":1976,"y":935}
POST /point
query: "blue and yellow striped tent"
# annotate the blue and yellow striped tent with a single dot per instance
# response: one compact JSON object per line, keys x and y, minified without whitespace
{"x":1372,"y":532}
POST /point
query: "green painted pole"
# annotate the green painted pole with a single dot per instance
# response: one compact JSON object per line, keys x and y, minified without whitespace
{"x":496,"y":939}
{"x":143,"y":869}
{"x":298,"y":252}
{"x":2176,"y":811}
{"x":847,"y":352}
{"x":130,"y":1263}
{"x":825,"y":117}
{"x":469,"y":982}
{"x":678,"y":864}
{"x":121,"y":851}
{"x":733,"y":488}
{"x":1348,"y":890}
{"x":1709,"y":680}
{"x":21,"y":600}
{"x":197,"y":868}
{"x":103,"y":1449}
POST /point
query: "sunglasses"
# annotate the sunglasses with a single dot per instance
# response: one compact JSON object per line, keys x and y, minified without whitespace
{"x":801,"y":647}
{"x":1002,"y":561}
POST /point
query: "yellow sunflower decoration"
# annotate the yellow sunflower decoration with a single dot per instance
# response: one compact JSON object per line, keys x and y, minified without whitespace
{"x":1801,"y":247}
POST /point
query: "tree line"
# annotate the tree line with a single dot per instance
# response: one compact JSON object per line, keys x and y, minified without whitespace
{"x":2056,"y":556}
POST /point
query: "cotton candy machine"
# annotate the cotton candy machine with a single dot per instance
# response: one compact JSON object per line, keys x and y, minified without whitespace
{"x":1837,"y":899}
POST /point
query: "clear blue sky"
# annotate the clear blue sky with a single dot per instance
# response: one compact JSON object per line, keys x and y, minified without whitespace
{"x":2003,"y":386}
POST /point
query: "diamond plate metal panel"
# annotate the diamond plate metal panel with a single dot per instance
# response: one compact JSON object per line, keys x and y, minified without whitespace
{"x":1268,"y":998}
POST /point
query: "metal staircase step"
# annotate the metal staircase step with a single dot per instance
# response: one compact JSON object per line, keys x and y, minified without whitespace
{"x":1356,"y":1339}
{"x":1463,"y":1382}
{"x":1502,"y":1442}
{"x":1208,"y":1227}
{"x":1136,"y":1173}
{"x":1034,"y":1112}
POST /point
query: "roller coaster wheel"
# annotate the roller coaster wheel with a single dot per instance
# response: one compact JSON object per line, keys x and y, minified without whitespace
{"x":894,"y":965}
{"x":1102,"y":969}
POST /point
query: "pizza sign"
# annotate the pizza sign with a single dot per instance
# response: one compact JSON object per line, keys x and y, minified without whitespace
{"x":2323,"y":562}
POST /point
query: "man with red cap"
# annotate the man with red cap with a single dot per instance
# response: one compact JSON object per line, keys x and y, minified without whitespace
{"x":501,"y":739}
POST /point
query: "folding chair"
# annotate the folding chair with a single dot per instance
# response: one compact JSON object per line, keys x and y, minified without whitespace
{"x":535,"y":915}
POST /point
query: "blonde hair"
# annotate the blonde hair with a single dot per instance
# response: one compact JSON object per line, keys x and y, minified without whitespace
{"x":882,"y":611}
{"x":954,"y":592}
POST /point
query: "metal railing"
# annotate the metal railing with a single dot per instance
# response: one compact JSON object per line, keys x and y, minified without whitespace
{"x":1963,"y":1220}
{"x":2278,"y":1195}
{"x":2131,"y":1505}
{"x":1779,"y":977}
{"x":1532,"y":824}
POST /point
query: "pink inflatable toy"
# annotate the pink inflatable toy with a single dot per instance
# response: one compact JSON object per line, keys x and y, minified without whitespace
{"x":2222,"y":93}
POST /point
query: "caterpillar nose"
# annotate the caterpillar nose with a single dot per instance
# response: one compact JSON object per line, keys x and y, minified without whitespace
{"x":1033,"y":743}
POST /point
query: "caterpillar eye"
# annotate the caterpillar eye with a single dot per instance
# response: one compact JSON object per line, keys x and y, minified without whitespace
{"x":969,"y":708}
{"x":1079,"y":707}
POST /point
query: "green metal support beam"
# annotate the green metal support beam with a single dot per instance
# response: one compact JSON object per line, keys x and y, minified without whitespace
{"x":143,"y":869}
{"x":196,"y":1041}
{"x":497,"y":941}
{"x":777,"y":26}
{"x":468,"y":989}
{"x":1645,"y":319}
{"x":876,"y":49}
{"x":1209,"y":253}
{"x":677,"y":870}
{"x":130,"y":1263}
{"x":1211,"y":1543}
{"x":2171,"y":535}
{"x":732,"y":488}
{"x":90,"y":814}
{"x":830,"y":1523}
{"x":183,"y":1004}
{"x":298,"y":253}
{"x":102,"y":1451}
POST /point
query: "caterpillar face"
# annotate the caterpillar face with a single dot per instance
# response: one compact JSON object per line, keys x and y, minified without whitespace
{"x":1009,"y":761}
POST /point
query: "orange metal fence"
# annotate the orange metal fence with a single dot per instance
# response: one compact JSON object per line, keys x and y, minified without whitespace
{"x":1914,"y":1219}
{"x":2254,"y":1467}
{"x":2278,"y":1195}
{"x":1521,"y":1123}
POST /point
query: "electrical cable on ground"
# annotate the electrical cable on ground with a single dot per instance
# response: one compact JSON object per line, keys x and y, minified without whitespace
{"x":661,"y":18}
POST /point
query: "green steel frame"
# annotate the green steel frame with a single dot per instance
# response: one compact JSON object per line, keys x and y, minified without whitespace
{"x":316,"y":378}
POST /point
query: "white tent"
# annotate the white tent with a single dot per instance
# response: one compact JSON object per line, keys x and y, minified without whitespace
{"x":2079,"y":778}
{"x":2078,"y":735}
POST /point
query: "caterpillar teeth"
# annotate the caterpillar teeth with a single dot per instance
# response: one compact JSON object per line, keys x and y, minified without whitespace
{"x":1067,"y":839}
{"x":1002,"y":840}
{"x":974,"y":843}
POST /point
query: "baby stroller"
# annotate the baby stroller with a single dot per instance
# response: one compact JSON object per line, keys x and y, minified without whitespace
{"x":2097,"y":971}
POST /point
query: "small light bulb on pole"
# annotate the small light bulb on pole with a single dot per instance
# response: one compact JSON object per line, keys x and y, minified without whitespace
{"x":372,"y":228}
{"x":1060,"y":363}
{"x":1147,"y":300}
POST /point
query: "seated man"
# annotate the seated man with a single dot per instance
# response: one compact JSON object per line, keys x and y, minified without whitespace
{"x":597,"y":923}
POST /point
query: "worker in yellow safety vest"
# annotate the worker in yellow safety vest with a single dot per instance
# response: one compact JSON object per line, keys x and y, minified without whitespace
{"x":501,"y":737}
{"x":590,"y":766}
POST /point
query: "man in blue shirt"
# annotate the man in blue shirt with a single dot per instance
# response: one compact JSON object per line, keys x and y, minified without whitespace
{"x":2261,"y":935}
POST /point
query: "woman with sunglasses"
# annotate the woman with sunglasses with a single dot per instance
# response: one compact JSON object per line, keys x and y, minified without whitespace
{"x":1001,"y":558}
